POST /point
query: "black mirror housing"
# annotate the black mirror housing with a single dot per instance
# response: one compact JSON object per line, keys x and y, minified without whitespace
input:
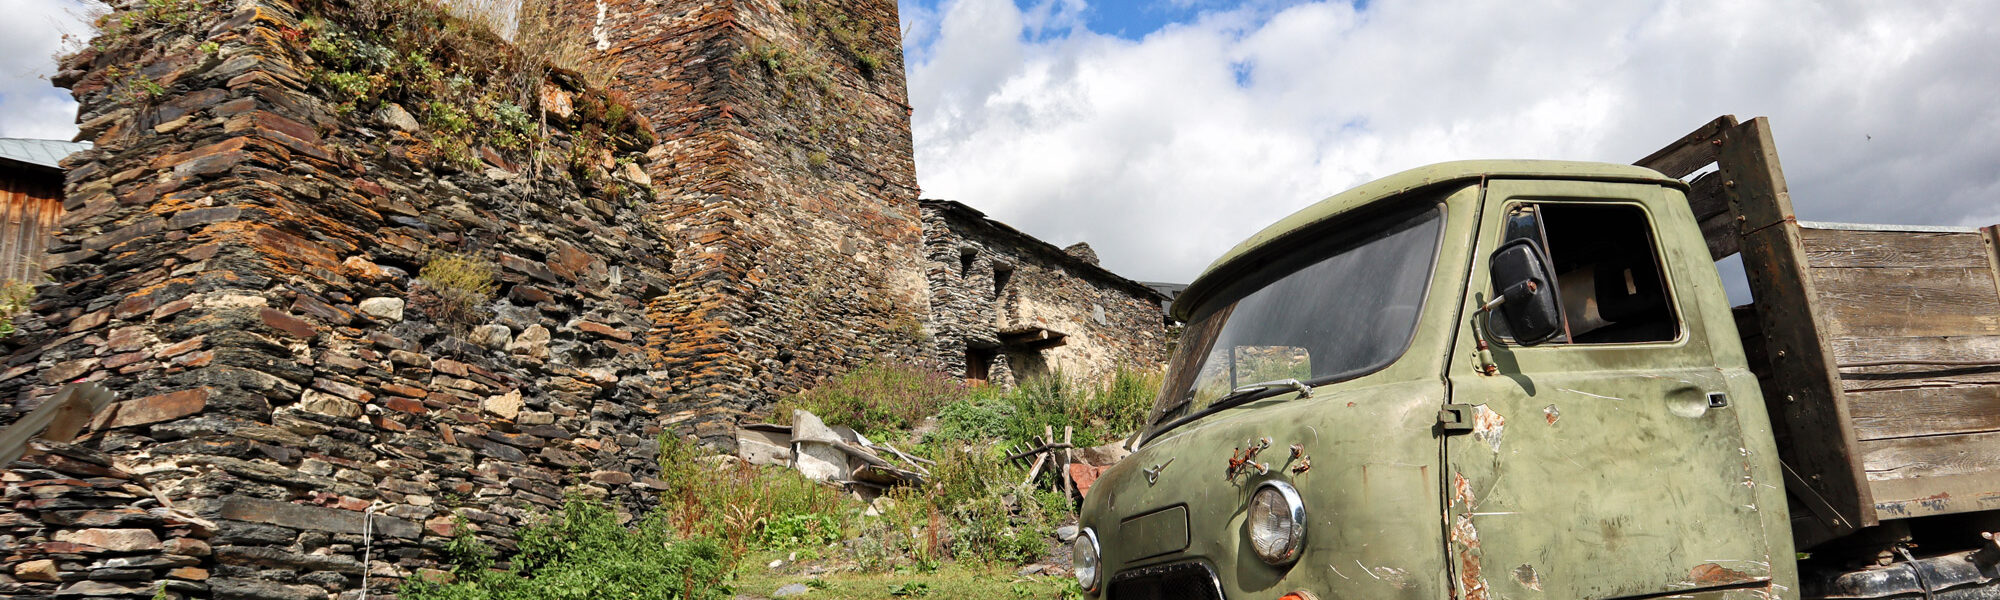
{"x":1524,"y":278}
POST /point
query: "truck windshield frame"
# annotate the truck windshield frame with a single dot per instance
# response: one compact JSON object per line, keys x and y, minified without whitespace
{"x":1340,"y":307}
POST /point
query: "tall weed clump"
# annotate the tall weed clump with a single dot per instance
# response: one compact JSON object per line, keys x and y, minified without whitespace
{"x":584,"y":552}
{"x":458,"y":285}
{"x":746,"y":507}
{"x":1114,"y":409}
{"x":14,"y":297}
{"x":878,"y":397}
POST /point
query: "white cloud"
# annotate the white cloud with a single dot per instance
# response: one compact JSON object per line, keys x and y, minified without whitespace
{"x":1165,"y":151}
{"x":30,"y":37}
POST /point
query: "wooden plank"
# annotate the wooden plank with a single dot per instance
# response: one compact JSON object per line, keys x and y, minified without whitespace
{"x":1719,"y":232}
{"x":1906,"y":301}
{"x":1993,"y":253}
{"x":1932,"y":456}
{"x":1706,"y":198}
{"x":59,"y":419}
{"x":1913,"y":377}
{"x":10,"y":231}
{"x":1710,"y":204}
{"x":1887,"y":414}
{"x":1926,"y":496}
{"x":1917,"y":348}
{"x":1849,"y":248}
{"x":1692,"y":152}
{"x":1803,"y":393}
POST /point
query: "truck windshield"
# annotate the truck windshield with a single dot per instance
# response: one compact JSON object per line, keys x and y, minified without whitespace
{"x":1337,"y":309}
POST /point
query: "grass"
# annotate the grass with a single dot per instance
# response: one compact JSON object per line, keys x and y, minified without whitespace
{"x":720,"y":523}
{"x":457,"y":286}
{"x":1098,"y":414}
{"x":14,"y":298}
{"x":584,"y":552}
{"x":877,"y":398}
{"x":957,"y":580}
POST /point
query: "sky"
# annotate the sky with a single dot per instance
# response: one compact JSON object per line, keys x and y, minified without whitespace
{"x":1164,"y":131}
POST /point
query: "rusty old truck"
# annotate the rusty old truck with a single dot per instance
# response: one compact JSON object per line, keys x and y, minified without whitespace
{"x":1524,"y":379}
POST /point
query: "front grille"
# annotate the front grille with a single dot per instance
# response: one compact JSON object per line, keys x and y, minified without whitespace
{"x":1177,"y":581}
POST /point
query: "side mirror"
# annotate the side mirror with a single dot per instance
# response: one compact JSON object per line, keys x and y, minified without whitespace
{"x":1528,"y":300}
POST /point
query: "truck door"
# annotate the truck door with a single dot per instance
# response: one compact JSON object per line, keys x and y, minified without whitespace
{"x":1608,"y":462}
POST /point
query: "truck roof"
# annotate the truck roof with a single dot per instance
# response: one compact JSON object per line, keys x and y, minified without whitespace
{"x":1244,"y":255}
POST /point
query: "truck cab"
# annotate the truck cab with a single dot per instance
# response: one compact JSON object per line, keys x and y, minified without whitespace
{"x":1523,"y":379}
{"x":1345,"y":417}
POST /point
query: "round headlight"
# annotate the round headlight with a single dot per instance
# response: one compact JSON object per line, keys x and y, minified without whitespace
{"x":1083,"y":558}
{"x":1277,"y":523}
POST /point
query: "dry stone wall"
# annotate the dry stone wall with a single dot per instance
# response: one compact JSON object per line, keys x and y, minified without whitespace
{"x":788,"y":181}
{"x":999,"y":295}
{"x":357,"y":297}
{"x":239,"y":261}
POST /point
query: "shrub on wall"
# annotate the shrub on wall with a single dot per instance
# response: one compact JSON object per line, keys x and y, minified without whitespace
{"x":456,"y":286}
{"x":14,"y":297}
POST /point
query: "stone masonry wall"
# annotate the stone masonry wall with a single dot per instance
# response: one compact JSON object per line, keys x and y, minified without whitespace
{"x":788,"y":181}
{"x":1107,"y":321}
{"x":238,"y":261}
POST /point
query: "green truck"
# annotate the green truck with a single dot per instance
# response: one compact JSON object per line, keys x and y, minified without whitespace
{"x":1524,"y":379}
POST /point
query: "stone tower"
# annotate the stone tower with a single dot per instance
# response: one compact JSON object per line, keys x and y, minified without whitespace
{"x":788,"y":181}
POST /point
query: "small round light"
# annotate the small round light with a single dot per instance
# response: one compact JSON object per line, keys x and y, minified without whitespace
{"x":1084,"y":559}
{"x":1277,"y":520}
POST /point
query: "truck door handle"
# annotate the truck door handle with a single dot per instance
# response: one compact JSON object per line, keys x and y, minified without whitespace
{"x":1455,"y":419}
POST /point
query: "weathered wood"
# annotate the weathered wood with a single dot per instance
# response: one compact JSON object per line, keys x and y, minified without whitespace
{"x":1906,"y":301}
{"x":1692,"y":152}
{"x":1925,"y":496}
{"x":1706,"y":197}
{"x":58,"y":419}
{"x":1803,"y":392}
{"x":1915,"y":377}
{"x":1875,"y":249}
{"x":1719,"y":232}
{"x":1887,"y":414}
{"x":1917,"y":348}
{"x":1933,"y":456}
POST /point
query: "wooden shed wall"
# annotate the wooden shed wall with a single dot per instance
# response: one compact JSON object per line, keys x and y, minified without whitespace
{"x":30,"y":204}
{"x":1913,"y":319}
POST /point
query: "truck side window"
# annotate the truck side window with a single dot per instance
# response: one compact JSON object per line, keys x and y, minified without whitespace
{"x":1607,"y":269}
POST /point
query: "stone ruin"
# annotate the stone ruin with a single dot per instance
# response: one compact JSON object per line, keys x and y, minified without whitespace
{"x":299,"y":412}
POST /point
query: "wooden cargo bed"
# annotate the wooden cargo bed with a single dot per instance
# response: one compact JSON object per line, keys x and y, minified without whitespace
{"x":1878,"y":347}
{"x":1913,"y":319}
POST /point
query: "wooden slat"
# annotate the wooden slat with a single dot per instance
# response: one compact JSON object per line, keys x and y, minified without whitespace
{"x":1849,"y":248}
{"x":1915,"y":348}
{"x":1706,"y":197}
{"x":1890,"y":414}
{"x":1719,"y":232}
{"x":1690,"y":153}
{"x":1940,"y":495}
{"x":1803,"y":393}
{"x":10,"y":228}
{"x":1911,"y":377}
{"x":1933,"y":456}
{"x":1906,"y":301}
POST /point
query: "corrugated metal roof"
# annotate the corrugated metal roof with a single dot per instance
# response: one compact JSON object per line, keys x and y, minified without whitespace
{"x":41,"y":153}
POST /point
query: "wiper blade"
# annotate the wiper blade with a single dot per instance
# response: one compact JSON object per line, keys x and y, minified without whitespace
{"x":1237,"y":397}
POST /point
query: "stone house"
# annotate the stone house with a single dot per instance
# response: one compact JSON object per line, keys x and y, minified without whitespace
{"x":1006,"y":306}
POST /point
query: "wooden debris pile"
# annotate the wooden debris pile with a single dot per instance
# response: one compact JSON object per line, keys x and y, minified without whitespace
{"x":833,"y":454}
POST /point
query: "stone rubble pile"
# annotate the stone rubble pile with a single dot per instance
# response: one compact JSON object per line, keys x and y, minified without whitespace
{"x":80,"y":526}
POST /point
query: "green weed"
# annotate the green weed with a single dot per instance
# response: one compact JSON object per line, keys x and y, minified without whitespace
{"x":878,"y":397}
